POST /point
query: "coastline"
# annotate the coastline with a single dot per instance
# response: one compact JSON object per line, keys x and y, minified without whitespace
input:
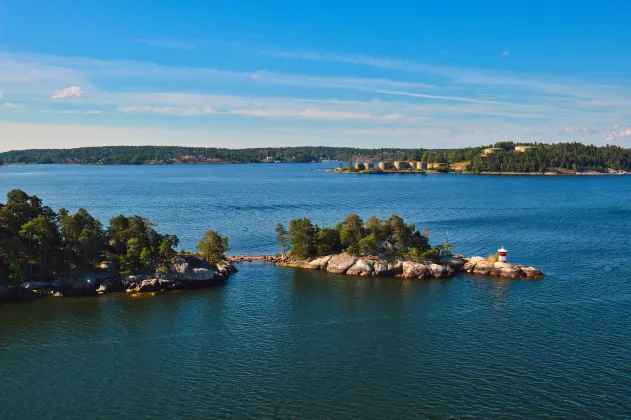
{"x":374,"y":266}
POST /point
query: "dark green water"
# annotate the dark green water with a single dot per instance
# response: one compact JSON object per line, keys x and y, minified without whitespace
{"x":284,"y":343}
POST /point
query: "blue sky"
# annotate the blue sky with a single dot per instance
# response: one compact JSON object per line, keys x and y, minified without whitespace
{"x":259,"y":73}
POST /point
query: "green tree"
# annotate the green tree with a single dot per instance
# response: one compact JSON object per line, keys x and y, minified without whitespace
{"x":282,"y":238}
{"x":213,"y":247}
{"x":351,"y":233}
{"x":302,"y":238}
{"x":328,"y":241}
{"x":371,"y":245}
{"x":40,"y":233}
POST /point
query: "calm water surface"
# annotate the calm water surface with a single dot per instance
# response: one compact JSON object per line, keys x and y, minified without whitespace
{"x":283,"y":343}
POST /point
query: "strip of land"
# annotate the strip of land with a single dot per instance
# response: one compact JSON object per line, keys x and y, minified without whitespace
{"x":500,"y":158}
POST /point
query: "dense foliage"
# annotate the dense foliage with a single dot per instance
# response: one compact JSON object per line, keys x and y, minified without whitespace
{"x":37,"y":243}
{"x":391,"y":238}
{"x":545,"y":157}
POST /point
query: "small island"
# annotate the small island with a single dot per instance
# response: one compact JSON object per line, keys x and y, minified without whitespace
{"x":381,"y":248}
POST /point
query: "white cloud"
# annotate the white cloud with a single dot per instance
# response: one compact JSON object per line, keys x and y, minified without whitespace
{"x":69,"y":92}
{"x":505,"y":53}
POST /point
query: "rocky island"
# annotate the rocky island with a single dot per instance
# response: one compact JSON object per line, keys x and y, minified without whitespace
{"x":381,"y":248}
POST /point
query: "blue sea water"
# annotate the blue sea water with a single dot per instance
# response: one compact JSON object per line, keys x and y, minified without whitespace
{"x":285,"y":343}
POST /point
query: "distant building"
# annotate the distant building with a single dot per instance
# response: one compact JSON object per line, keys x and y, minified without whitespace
{"x":360,"y":166}
{"x":492,"y":150}
{"x":369,"y":165}
{"x":436,"y":165}
{"x":384,"y":166}
{"x":400,"y":164}
{"x":524,"y":148}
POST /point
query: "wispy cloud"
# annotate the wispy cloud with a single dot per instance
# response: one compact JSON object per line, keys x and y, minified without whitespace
{"x":505,"y":53}
{"x":316,"y":114}
{"x":14,"y":107}
{"x":167,"y":43}
{"x":69,"y":92}
{"x":169,"y":110}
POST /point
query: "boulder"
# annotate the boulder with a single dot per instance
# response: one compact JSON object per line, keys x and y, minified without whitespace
{"x":381,"y":268}
{"x":414,"y":270}
{"x":149,"y":285}
{"x":439,"y":271}
{"x":362,"y":268}
{"x":532,"y":273}
{"x":340,"y":263}
{"x":454,"y":262}
{"x":108,"y":287}
{"x":200,"y":274}
{"x":478,"y":265}
{"x":506,"y":270}
{"x":137,"y":278}
{"x":396,"y":268}
{"x":320,"y":263}
{"x":469,"y":266}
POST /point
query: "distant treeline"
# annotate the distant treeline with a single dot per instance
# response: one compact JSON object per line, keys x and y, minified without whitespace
{"x":571,"y":156}
{"x":138,"y":155}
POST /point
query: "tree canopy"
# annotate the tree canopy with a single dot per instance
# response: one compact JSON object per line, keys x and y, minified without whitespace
{"x":391,"y":238}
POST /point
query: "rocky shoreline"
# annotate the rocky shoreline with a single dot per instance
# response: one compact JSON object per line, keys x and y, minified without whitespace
{"x":369,"y":266}
{"x":184,"y":272}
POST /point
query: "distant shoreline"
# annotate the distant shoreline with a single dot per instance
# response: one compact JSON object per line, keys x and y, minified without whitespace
{"x":336,"y":170}
{"x":591,"y":173}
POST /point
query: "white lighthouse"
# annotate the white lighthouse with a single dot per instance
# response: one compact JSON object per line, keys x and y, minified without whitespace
{"x":502,"y":254}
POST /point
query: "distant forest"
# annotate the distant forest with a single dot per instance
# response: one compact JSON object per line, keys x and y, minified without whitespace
{"x":544,"y":157}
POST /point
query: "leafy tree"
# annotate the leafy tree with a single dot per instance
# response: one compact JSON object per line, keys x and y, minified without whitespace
{"x":371,"y":245}
{"x":302,"y":238}
{"x":351,"y":233}
{"x":213,"y":247}
{"x":282,"y":238}
{"x":40,"y":233}
{"x":328,"y":241}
